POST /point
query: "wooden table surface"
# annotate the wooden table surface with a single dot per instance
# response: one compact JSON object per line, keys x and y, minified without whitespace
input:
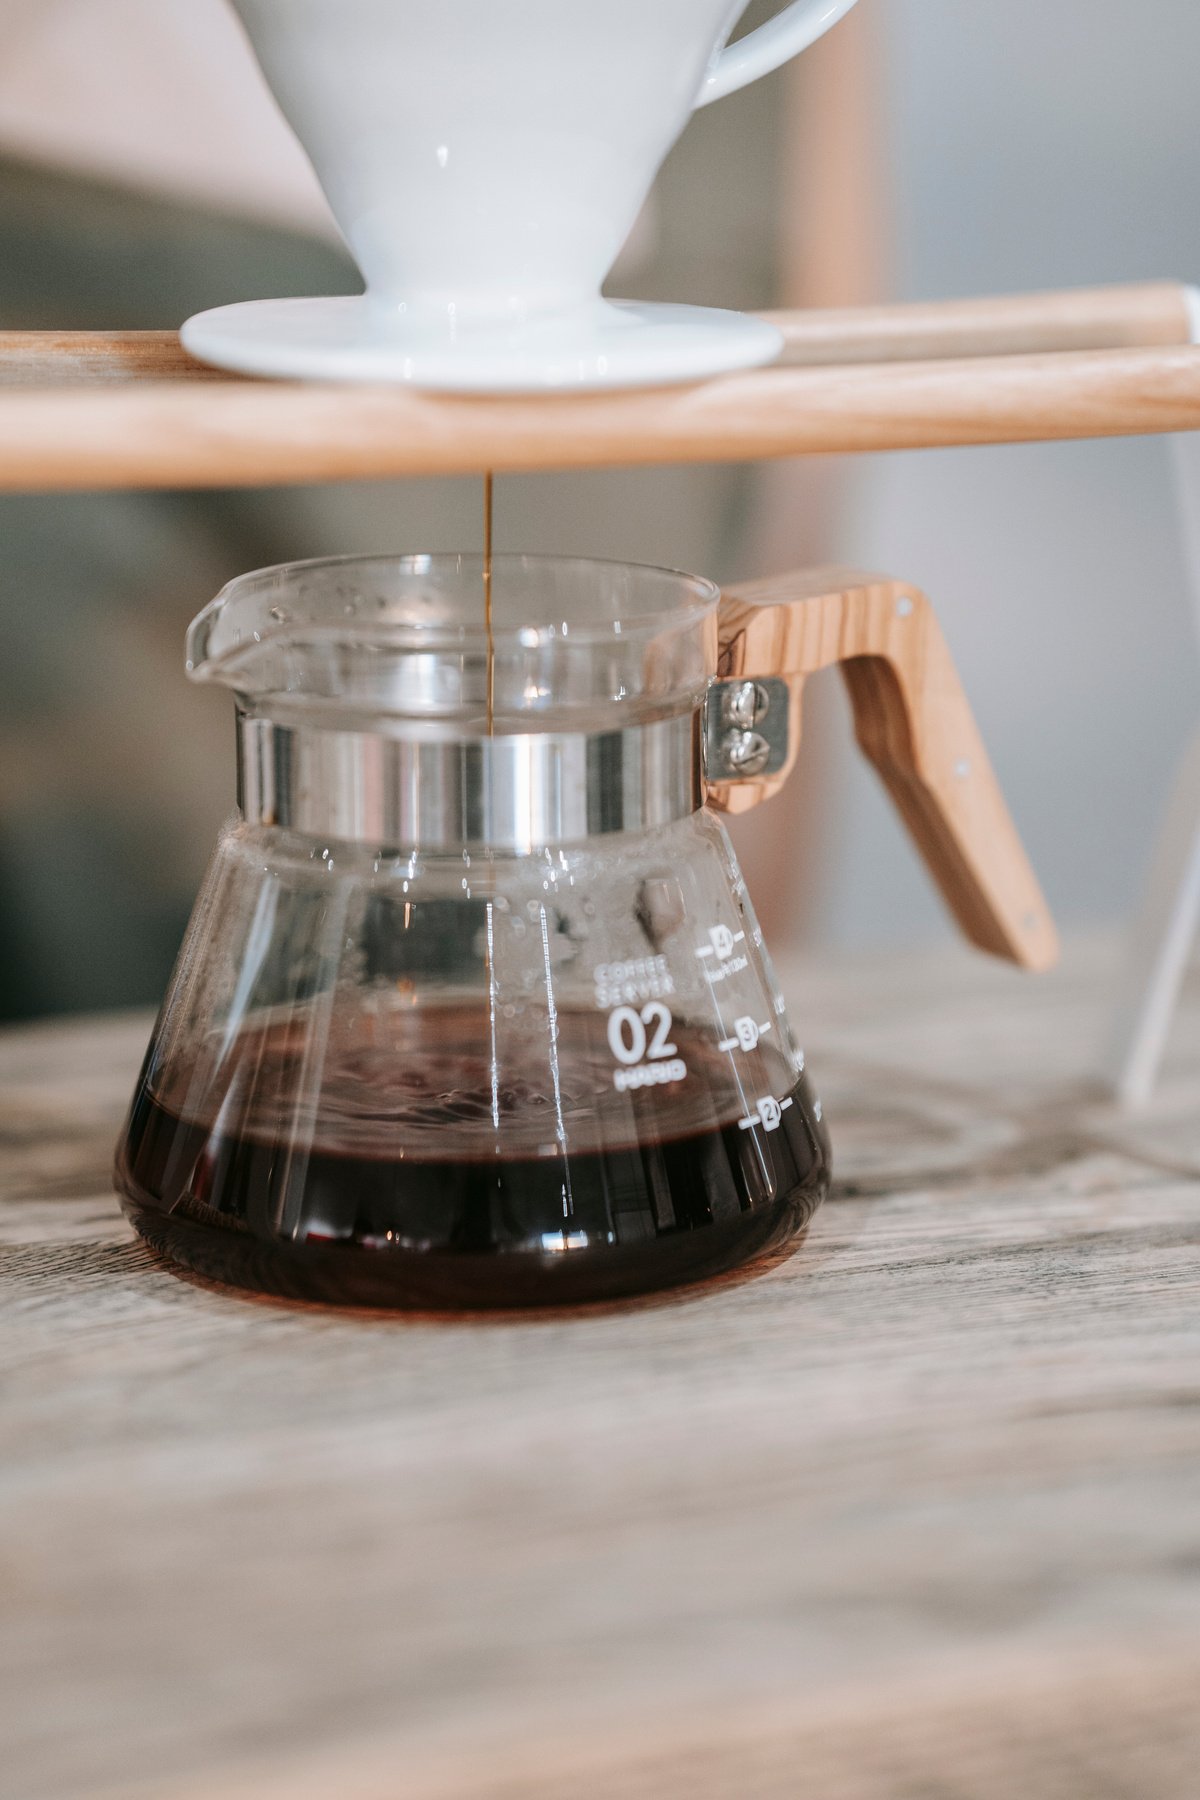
{"x":914,"y":1514}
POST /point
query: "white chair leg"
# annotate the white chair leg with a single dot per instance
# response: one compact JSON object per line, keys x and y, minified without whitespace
{"x":1170,"y":913}
{"x":1184,"y":452}
{"x":1162,"y":942}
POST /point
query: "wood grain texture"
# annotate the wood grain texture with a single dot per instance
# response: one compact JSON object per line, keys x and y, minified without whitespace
{"x":913,"y":723}
{"x":914,"y":1513}
{"x":73,"y":359}
{"x":172,"y":433}
{"x":1107,"y":318}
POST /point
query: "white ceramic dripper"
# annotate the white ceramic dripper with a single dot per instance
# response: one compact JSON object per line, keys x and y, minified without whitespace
{"x":486,"y":160}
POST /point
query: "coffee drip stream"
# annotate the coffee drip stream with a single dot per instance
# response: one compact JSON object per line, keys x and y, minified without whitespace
{"x":489,"y":496}
{"x":473,"y":1008}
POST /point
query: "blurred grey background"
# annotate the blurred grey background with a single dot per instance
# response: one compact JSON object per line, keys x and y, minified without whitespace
{"x":925,"y":149}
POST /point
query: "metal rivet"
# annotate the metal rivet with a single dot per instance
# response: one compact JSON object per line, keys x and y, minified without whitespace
{"x":748,"y":704}
{"x":746,"y":751}
{"x":904,"y":607}
{"x":962,"y":768}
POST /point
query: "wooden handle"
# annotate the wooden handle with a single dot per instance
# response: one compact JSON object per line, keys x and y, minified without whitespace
{"x":1136,"y":315}
{"x":912,"y":720}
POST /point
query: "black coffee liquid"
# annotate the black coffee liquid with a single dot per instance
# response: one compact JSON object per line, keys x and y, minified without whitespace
{"x":414,"y":1180}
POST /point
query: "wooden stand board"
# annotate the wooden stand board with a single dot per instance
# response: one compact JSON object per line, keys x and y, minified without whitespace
{"x":131,"y":410}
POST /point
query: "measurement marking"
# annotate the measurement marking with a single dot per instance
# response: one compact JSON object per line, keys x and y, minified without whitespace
{"x":739,"y":937}
{"x":769,"y":1116}
{"x":706,"y":950}
{"x":747,"y":1034}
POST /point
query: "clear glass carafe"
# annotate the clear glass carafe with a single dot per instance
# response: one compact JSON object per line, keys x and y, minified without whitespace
{"x":473,"y":1008}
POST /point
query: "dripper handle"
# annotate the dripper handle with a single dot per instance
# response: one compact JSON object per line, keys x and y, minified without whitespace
{"x":771,"y":45}
{"x":912,"y":720}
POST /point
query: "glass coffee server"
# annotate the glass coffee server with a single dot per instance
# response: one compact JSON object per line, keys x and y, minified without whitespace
{"x":473,"y":1008}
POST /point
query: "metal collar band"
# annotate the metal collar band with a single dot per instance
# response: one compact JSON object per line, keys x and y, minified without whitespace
{"x":512,"y":792}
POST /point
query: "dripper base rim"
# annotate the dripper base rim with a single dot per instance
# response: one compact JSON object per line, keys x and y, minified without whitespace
{"x":608,"y":344}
